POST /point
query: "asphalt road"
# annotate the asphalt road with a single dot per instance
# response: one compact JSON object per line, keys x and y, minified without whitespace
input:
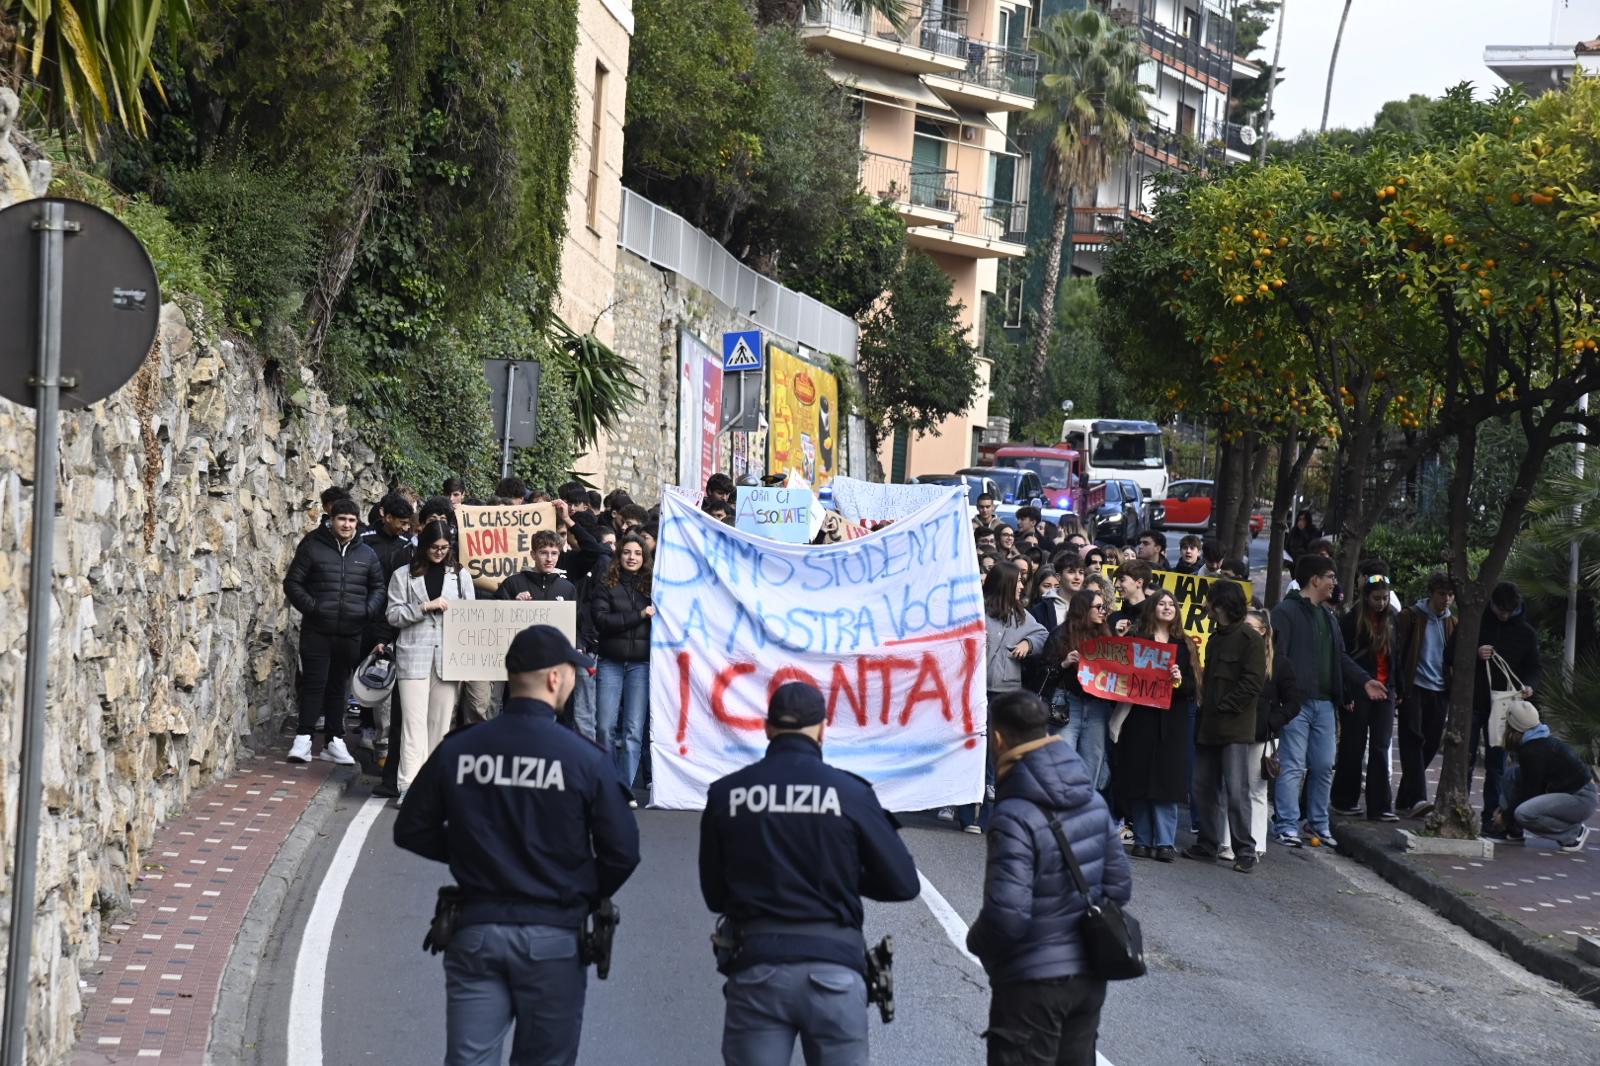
{"x":1311,"y":959}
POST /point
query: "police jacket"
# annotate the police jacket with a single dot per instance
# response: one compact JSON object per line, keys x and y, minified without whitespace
{"x":1027,"y":929}
{"x":792,"y":839}
{"x":538,"y":586}
{"x":338,"y":588}
{"x":620,"y":622}
{"x":532,"y":819}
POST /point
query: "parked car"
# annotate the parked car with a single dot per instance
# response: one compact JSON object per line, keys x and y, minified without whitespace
{"x":1189,"y":505}
{"x":976,"y":486}
{"x":1120,"y":517}
{"x":1017,"y":486}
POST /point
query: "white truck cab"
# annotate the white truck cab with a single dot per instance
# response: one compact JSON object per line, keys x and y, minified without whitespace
{"x":1121,"y":450}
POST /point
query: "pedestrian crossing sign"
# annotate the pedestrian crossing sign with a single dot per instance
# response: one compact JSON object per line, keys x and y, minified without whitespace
{"x":741,"y":350}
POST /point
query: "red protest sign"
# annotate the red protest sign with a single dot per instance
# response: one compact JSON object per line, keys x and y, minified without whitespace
{"x":1127,"y":670}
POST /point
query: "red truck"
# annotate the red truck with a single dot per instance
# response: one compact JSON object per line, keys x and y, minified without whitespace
{"x":1061,"y":470}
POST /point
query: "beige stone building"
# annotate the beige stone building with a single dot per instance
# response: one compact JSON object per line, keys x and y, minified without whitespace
{"x":935,"y":97}
{"x":594,"y":186}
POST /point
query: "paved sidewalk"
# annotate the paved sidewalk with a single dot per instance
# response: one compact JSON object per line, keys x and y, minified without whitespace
{"x":1532,"y":900}
{"x":160,"y":971}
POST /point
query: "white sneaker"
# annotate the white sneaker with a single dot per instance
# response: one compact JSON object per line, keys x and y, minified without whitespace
{"x":300,"y":750}
{"x":1225,"y":854}
{"x":1577,"y":845}
{"x":335,"y":751}
{"x":947,"y":814}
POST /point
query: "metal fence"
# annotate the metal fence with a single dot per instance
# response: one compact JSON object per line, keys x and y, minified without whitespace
{"x":906,"y":181}
{"x":1002,"y":69}
{"x":988,"y":218}
{"x":667,"y":240}
{"x":927,"y":26}
{"x":1208,"y":60}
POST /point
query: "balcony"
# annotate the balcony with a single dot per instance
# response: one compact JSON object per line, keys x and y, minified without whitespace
{"x":927,"y":42}
{"x":995,"y":78}
{"x":922,"y":194}
{"x":1202,"y":61}
{"x":983,"y":228}
{"x":1228,"y":141}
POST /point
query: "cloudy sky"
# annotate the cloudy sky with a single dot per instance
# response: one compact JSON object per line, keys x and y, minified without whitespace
{"x":1393,"y":48}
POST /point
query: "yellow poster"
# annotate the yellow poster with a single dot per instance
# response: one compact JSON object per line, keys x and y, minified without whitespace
{"x":803,"y":431}
{"x":1190,"y":592}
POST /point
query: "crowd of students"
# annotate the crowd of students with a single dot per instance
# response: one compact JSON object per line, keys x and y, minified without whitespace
{"x":1289,"y":715}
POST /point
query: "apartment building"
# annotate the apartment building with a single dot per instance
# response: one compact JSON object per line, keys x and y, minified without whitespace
{"x":936,"y":96}
{"x":1189,"y":67}
{"x":1542,"y":68}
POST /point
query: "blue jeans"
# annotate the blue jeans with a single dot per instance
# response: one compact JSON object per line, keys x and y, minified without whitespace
{"x":583,"y":703}
{"x":1305,"y":751}
{"x":499,"y":974}
{"x":1086,"y":732}
{"x":622,"y":703}
{"x":770,"y":1004}
{"x":1155,"y":825}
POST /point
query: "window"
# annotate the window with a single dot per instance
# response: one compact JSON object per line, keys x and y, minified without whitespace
{"x":1013,"y":304}
{"x":1190,"y":23}
{"x":596,"y":130}
{"x":1186,"y":120}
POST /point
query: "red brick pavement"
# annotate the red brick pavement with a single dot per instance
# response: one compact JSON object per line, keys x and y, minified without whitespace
{"x":160,"y":968}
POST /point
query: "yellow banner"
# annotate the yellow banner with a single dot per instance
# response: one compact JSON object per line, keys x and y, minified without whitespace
{"x":1190,"y":592}
{"x":803,"y":431}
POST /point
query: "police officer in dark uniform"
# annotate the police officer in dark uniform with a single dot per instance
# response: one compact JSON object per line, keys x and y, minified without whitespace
{"x":535,"y":825}
{"x":788,"y":846}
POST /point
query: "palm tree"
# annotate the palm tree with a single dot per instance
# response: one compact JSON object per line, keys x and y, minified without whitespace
{"x":1089,"y":104}
{"x":1333,"y":61}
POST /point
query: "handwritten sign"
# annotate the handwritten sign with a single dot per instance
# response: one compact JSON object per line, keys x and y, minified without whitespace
{"x":497,"y":542}
{"x":867,"y":501}
{"x":478,"y":632}
{"x":1127,"y":670}
{"x":889,"y":627}
{"x":777,"y":513}
{"x":1190,"y":592}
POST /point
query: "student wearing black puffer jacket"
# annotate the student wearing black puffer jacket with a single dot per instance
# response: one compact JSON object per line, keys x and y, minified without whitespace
{"x":336,"y":583}
{"x":1045,"y":1005}
{"x":622,"y":611}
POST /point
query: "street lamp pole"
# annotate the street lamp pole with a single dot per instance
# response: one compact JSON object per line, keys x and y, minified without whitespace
{"x":1569,"y":643}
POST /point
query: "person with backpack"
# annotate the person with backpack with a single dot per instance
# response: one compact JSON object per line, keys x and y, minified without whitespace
{"x":1045,"y":1001}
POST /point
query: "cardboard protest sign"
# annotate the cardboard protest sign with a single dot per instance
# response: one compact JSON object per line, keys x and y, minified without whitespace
{"x":1190,"y":592}
{"x":478,"y":632}
{"x":1127,"y":670}
{"x":497,"y":542}
{"x":889,"y":627}
{"x":867,"y":501}
{"x":777,"y":513}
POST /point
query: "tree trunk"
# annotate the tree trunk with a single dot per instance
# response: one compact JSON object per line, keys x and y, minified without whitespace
{"x":1293,"y":458}
{"x":1232,"y":468}
{"x":1044,"y":326}
{"x":1355,"y":514}
{"x":1333,"y":61}
{"x":336,"y":265}
{"x":1252,"y":466}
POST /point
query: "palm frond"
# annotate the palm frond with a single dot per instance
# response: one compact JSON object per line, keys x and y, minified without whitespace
{"x":603,"y":382}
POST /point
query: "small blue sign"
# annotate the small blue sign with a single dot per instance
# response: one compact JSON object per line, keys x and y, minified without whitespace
{"x":742,"y":351}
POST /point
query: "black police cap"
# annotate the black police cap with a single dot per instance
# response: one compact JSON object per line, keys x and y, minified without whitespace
{"x":539,"y":648}
{"x":796,"y":705}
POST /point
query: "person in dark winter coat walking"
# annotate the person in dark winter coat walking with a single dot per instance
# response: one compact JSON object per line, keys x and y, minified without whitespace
{"x":1275,"y":708}
{"x":1152,"y":752}
{"x":336,"y":583}
{"x":1044,"y":1005}
{"x":622,"y":612}
{"x":1504,"y":632}
{"x":1367,"y":726}
{"x":390,"y":538}
{"x":1236,"y":669}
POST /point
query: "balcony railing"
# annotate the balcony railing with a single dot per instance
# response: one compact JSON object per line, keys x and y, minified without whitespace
{"x":1002,"y":69}
{"x":939,"y":31}
{"x":989,"y":219}
{"x":906,"y":181}
{"x":1211,"y":62}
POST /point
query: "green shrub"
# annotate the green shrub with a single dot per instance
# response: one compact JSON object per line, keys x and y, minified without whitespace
{"x":1412,"y":555}
{"x":259,"y":224}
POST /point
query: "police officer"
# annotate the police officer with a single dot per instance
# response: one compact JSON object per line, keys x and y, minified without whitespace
{"x":535,"y":825}
{"x":788,"y":846}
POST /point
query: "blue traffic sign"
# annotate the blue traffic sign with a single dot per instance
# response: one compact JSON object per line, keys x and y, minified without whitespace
{"x":742,"y":350}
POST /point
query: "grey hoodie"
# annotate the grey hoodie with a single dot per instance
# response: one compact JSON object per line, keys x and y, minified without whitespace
{"x":1005,"y":673}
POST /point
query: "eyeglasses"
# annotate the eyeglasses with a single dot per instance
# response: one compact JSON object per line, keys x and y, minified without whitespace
{"x":442,"y":546}
{"x":1097,"y":607}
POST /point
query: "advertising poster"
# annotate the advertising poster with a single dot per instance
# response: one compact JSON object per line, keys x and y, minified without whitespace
{"x":803,"y":431}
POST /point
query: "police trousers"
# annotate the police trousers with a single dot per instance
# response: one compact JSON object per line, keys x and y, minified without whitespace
{"x":497,"y":976}
{"x":769,"y":1004}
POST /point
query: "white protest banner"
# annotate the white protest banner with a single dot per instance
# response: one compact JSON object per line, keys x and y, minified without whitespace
{"x":867,"y":501}
{"x":478,"y":632}
{"x":777,"y":513}
{"x":497,"y":542}
{"x":890,"y":627}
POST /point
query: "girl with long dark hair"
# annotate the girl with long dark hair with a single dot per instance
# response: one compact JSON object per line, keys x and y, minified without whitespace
{"x":622,"y":611}
{"x":1083,"y":718}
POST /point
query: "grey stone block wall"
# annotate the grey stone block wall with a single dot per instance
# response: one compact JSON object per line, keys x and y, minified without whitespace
{"x":181,"y":501}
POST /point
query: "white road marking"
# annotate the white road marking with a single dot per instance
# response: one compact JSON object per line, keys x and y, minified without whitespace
{"x":956,"y":929}
{"x":311,"y":964}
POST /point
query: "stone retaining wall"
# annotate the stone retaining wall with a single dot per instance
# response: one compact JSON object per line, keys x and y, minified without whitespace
{"x":181,"y":501}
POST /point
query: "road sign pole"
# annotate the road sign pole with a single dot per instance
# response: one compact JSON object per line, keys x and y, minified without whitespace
{"x":47,"y":390}
{"x":505,"y":443}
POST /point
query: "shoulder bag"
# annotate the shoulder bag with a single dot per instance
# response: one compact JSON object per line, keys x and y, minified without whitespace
{"x":1501,"y":700}
{"x":1112,"y":938}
